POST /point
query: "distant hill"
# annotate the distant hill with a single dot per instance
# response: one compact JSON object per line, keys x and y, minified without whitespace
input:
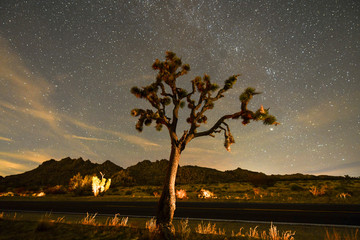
{"x":52,"y":172}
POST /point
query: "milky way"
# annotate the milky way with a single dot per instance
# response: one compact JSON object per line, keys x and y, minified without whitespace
{"x":66,"y":69}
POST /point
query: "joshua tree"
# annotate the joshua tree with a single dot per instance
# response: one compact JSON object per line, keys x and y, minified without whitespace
{"x":166,"y":99}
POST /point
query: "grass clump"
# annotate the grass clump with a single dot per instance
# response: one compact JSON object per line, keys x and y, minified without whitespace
{"x":93,"y":226}
{"x":89,"y":219}
{"x":335,"y":235}
{"x":46,"y":222}
{"x":116,"y":221}
{"x":184,"y":230}
{"x":203,"y":228}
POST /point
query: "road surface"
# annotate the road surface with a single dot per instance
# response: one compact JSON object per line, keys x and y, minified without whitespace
{"x":328,"y":214}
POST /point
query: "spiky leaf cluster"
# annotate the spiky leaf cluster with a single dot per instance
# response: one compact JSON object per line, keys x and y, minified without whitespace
{"x":229,"y":139}
{"x":247,"y":94}
{"x":156,"y":94}
{"x":260,"y":115}
{"x":164,"y":92}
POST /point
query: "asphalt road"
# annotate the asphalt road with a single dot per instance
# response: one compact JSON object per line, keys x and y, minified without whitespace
{"x":288,"y":213}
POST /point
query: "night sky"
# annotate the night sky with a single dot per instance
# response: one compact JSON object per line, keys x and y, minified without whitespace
{"x":66,"y":69}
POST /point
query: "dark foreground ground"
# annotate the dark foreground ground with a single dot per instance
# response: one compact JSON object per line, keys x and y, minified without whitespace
{"x":285,"y":213}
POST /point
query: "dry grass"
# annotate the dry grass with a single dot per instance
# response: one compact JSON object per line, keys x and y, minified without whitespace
{"x":46,"y":222}
{"x":275,"y":235}
{"x":184,"y":230}
{"x":203,"y":228}
{"x":337,"y":236}
{"x":116,"y":221}
{"x":253,"y":233}
{"x":89,"y":219}
{"x":152,"y":228}
{"x":239,"y":234}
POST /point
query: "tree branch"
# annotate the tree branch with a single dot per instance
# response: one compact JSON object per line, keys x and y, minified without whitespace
{"x":217,"y":125}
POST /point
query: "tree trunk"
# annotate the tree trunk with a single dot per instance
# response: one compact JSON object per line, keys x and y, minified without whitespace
{"x":166,"y":206}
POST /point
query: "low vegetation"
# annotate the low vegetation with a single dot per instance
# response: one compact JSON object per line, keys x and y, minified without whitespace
{"x":92,"y":226}
{"x":301,"y":191}
{"x":75,"y":177}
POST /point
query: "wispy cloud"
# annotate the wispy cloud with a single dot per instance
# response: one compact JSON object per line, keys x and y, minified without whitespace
{"x":7,"y":164}
{"x":8,"y":167}
{"x":192,"y":150}
{"x":6,"y":139}
{"x":23,"y":91}
{"x":26,"y":156}
{"x":91,"y":139}
{"x":142,"y":142}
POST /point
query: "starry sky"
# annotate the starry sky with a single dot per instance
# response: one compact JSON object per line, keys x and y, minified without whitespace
{"x":66,"y":69}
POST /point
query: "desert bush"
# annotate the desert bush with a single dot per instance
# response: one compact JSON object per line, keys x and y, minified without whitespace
{"x":8,"y":194}
{"x":80,"y":186}
{"x":181,"y":194}
{"x":100,"y":186}
{"x":205,"y":194}
{"x":344,"y":195}
{"x":318,"y":191}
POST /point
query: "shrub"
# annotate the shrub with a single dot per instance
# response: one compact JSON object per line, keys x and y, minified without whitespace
{"x":181,"y":194}
{"x":80,"y":186}
{"x":206,"y":194}
{"x":100,"y":186}
{"x":315,"y":191}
